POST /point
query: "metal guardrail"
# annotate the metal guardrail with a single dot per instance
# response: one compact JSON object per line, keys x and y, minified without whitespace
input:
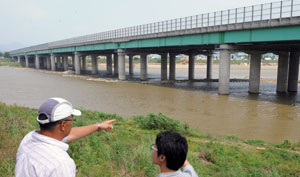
{"x":268,"y":11}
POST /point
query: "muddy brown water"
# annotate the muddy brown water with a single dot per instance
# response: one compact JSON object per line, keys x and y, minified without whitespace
{"x":267,"y":116}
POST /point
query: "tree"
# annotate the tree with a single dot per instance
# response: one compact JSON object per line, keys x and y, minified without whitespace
{"x":6,"y":55}
{"x":1,"y":54}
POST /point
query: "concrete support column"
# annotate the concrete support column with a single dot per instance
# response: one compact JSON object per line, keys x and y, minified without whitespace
{"x":58,"y":62}
{"x":95,"y":64}
{"x":65,"y":62}
{"x":77,"y":62}
{"x":224,"y":70}
{"x":254,"y":79}
{"x":116,"y":67}
{"x":209,"y":66}
{"x":26,"y":61}
{"x":121,"y":65}
{"x":48,"y":63}
{"x":293,"y":72}
{"x":83,"y":62}
{"x":45,"y":62}
{"x":131,"y":65}
{"x":172,"y":70}
{"x":143,"y":65}
{"x":19,"y":59}
{"x":191,"y":66}
{"x":282,"y":72}
{"x":164,"y":66}
{"x":108,"y":64}
{"x":52,"y":58}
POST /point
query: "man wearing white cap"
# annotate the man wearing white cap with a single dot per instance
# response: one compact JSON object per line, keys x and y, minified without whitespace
{"x":43,"y":152}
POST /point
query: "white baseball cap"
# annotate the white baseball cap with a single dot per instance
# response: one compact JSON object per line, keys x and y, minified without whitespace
{"x":56,"y":109}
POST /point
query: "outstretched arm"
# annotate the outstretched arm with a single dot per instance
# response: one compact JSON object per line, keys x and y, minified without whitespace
{"x":80,"y":132}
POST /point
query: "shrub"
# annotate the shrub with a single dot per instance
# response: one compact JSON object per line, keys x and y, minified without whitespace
{"x":160,"y":122}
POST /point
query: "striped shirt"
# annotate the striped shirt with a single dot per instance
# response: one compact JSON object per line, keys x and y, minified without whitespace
{"x":42,"y":156}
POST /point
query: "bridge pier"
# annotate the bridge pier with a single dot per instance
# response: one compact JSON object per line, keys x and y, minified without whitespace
{"x":73,"y":62}
{"x":224,"y":70}
{"x":116,"y":67}
{"x":109,"y":64}
{"x":121,"y":65}
{"x":77,"y":62}
{"x":19,"y":59}
{"x":209,"y":66}
{"x":27,"y":61}
{"x":254,"y":79}
{"x":143,"y":65}
{"x":172,"y":66}
{"x":52,"y":58}
{"x":58,"y":62}
{"x":65,"y":62}
{"x":191,"y":67}
{"x":164,"y":66}
{"x":293,"y":72}
{"x":48,"y":62}
{"x":83,"y":62}
{"x":282,"y":72}
{"x":94,"y":64}
{"x":131,"y":65}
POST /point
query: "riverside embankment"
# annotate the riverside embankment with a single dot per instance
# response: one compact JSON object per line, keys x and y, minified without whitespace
{"x":125,"y":150}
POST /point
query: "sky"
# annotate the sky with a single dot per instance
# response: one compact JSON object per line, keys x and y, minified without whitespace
{"x":31,"y":22}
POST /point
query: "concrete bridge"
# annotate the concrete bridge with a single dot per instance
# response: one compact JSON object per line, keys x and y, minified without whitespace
{"x":256,"y":30}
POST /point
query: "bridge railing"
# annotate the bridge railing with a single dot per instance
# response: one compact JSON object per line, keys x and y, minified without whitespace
{"x":267,"y":11}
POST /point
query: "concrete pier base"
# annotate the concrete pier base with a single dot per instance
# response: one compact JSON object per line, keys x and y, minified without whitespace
{"x":164,"y":66}
{"x":121,"y":65}
{"x":282,"y":72}
{"x":293,"y":72}
{"x":209,"y":66}
{"x":172,"y":74}
{"x":94,"y":64}
{"x":26,"y":61}
{"x":52,"y":58}
{"x":37,"y":61}
{"x":224,"y":70}
{"x":19,"y":59}
{"x":116,"y":67}
{"x":65,"y":62}
{"x":109,"y":64}
{"x":131,"y":65}
{"x":77,"y":63}
{"x":143,"y":64}
{"x":254,"y":77}
{"x":191,"y":66}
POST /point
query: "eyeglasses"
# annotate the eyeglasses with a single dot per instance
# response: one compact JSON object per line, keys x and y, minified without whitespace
{"x":153,"y":147}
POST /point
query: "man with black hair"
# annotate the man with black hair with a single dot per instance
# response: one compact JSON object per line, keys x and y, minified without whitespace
{"x":169,"y":153}
{"x":43,"y":153}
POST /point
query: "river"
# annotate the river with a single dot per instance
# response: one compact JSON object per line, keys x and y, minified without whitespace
{"x":268,"y":116}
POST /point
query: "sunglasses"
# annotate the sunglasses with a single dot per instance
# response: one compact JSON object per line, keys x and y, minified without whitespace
{"x":153,"y":147}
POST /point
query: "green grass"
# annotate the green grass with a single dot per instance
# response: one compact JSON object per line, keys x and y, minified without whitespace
{"x":8,"y":62}
{"x":125,"y":150}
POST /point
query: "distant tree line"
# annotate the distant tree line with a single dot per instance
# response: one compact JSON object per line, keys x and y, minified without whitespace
{"x":5,"y":54}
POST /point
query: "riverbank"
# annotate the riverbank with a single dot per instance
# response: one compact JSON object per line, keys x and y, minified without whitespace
{"x":125,"y":150}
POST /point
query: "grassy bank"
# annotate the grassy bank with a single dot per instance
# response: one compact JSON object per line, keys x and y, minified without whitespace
{"x":125,"y":150}
{"x":8,"y":62}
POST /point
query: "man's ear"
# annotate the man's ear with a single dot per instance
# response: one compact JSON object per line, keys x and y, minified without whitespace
{"x":62,"y":126}
{"x":162,"y":158}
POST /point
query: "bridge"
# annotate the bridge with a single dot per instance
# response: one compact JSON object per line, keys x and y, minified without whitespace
{"x":256,"y":30}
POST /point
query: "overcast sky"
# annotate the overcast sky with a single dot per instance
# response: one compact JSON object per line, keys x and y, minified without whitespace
{"x":31,"y":22}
